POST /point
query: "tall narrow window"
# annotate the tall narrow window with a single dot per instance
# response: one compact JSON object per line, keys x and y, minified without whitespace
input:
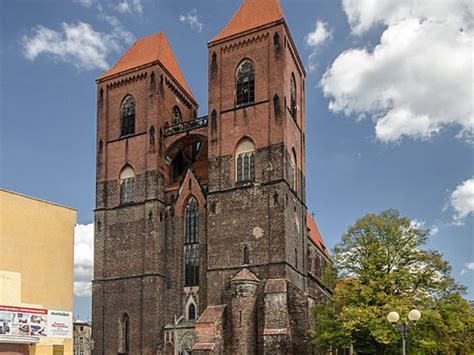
{"x":191,"y":243}
{"x":292,"y":171}
{"x":293,"y":106}
{"x":192,"y":312}
{"x":127,"y":182}
{"x":177,"y":118}
{"x":128,"y":116}
{"x":245,"y":83}
{"x":214,"y":120}
{"x":124,"y":334}
{"x":245,"y":161}
{"x":246,"y":256}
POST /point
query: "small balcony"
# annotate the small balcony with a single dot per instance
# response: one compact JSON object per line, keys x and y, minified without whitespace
{"x":185,"y":126}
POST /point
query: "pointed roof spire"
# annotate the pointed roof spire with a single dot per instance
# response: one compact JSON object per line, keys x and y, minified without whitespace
{"x":252,"y":14}
{"x":148,"y":50}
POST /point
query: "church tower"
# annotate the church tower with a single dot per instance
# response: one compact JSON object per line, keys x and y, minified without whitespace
{"x":133,"y":296}
{"x":257,"y":212}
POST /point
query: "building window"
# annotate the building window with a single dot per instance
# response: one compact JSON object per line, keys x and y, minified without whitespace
{"x":81,"y":352}
{"x":128,"y":116}
{"x":246,"y":256}
{"x":292,"y":173}
{"x":214,"y":120}
{"x":245,"y":83}
{"x":127,"y":182}
{"x":124,"y":334}
{"x":293,"y":106}
{"x":192,"y":312}
{"x":177,"y":118}
{"x":245,"y":161}
{"x":191,"y":243}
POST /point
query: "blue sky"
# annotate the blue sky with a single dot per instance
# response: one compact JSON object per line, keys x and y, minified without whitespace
{"x":389,"y":105}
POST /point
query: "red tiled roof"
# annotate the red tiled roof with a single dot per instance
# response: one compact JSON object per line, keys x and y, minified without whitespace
{"x":315,"y":235}
{"x":245,"y":275}
{"x":250,"y":15}
{"x":148,"y":50}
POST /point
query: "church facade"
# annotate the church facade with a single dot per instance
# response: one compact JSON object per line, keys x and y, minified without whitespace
{"x":203,"y":241}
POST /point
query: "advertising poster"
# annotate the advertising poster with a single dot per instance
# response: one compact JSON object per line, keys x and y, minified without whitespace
{"x":37,"y":322}
{"x":59,"y":324}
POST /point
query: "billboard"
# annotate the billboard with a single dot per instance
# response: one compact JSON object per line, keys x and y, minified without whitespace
{"x":38,"y":322}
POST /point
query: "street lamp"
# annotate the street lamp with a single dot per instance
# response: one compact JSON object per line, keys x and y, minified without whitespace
{"x":413,"y":316}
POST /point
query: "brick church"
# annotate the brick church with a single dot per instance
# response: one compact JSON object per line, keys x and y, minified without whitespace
{"x":203,"y":241}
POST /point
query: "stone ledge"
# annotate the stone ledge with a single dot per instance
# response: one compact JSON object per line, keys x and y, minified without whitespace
{"x":279,"y":331}
{"x":204,"y":346}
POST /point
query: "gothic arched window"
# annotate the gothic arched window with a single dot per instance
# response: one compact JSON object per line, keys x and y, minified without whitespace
{"x":124,"y":334}
{"x":245,"y":83}
{"x":191,"y":243}
{"x":177,"y":118}
{"x":245,"y":161}
{"x":192,"y":312}
{"x":293,"y":106}
{"x":127,"y":182}
{"x":128,"y":116}
{"x":292,"y":171}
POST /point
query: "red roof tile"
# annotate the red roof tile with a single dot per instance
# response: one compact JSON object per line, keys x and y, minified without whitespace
{"x":245,"y":275}
{"x":148,"y":50}
{"x":315,"y":235}
{"x":250,"y":15}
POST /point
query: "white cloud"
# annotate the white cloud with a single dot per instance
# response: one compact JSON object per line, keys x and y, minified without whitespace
{"x":315,"y":39}
{"x":462,"y":200}
{"x":192,"y":19}
{"x":78,"y":44}
{"x":418,"y":79}
{"x":467,"y":267}
{"x":364,"y":14}
{"x":130,"y":6}
{"x":434,"y":230}
{"x":83,"y":259}
{"x":417,"y":224}
{"x":319,"y":35}
{"x":85,"y":3}
{"x":118,"y":31}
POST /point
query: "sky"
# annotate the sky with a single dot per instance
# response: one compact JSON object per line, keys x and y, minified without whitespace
{"x":389,"y":97}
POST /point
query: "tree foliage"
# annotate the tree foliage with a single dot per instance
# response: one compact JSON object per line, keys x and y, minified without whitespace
{"x":380,"y":266}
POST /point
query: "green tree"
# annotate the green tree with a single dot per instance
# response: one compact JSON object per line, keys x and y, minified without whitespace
{"x":380,"y":266}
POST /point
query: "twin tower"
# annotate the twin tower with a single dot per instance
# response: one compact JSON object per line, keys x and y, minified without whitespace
{"x":203,"y":243}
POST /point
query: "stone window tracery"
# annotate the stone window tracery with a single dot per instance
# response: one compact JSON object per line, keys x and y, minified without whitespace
{"x":127,"y":182}
{"x":191,"y":243}
{"x":293,"y":105}
{"x":245,"y":83}
{"x":245,"y":161}
{"x":128,"y":116}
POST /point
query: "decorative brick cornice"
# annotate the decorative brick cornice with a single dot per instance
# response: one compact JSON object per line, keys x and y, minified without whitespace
{"x":245,"y":42}
{"x":128,"y":80}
